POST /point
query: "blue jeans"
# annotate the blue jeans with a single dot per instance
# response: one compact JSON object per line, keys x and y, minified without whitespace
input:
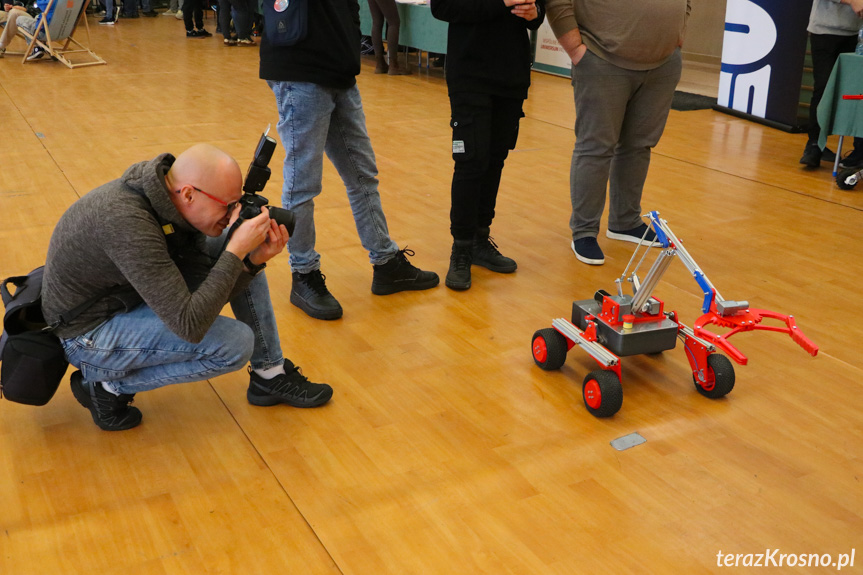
{"x":136,"y":352}
{"x":315,"y":119}
{"x":130,"y":7}
{"x":242,"y":13}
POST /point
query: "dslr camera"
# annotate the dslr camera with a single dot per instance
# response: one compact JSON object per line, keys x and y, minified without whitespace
{"x":256,"y":178}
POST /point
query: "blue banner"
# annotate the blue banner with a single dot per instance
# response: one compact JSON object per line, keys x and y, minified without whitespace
{"x":762,"y":58}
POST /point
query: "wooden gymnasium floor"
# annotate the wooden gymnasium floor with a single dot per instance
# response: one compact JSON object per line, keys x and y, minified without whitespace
{"x":445,"y":449}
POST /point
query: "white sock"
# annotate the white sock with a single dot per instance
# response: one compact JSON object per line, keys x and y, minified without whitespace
{"x":109,"y":387}
{"x":272,"y":372}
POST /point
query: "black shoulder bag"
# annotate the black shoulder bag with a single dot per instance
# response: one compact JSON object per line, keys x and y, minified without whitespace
{"x":32,"y":359}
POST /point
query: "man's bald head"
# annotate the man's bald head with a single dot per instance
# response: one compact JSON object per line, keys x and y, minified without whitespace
{"x":208,"y":168}
{"x":203,"y":181}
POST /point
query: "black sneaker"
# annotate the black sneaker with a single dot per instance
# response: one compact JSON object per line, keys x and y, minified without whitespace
{"x":458,"y":276}
{"x":292,"y":388}
{"x":150,"y":13}
{"x":37,"y":54}
{"x":398,"y":274}
{"x":193,"y":34}
{"x":106,"y":21}
{"x":634,"y":235}
{"x":852,"y":160}
{"x":203,"y":33}
{"x":587,"y":250}
{"x":811,"y":155}
{"x":486,"y":254}
{"x":309,"y":293}
{"x":110,"y":412}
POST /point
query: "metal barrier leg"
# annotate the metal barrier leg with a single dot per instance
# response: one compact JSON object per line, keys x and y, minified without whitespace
{"x":838,"y":155}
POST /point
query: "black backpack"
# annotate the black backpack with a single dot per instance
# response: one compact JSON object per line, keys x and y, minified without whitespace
{"x":32,"y":359}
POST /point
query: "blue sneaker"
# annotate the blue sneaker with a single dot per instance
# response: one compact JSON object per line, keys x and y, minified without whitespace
{"x":634,"y":235}
{"x":587,"y":250}
{"x":37,"y":54}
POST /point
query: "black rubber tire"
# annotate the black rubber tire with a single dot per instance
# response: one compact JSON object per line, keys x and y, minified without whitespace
{"x":723,"y":375}
{"x":610,"y":390}
{"x":840,"y":178}
{"x":555,"y":347}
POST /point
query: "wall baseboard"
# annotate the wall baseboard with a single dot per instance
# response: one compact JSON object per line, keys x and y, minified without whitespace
{"x":702,"y":59}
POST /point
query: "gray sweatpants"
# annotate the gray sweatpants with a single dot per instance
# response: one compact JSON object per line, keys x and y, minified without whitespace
{"x":619,"y":116}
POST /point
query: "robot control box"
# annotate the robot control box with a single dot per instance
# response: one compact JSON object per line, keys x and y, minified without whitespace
{"x":650,"y":337}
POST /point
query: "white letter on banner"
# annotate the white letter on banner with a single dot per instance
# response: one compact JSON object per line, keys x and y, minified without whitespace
{"x":752,"y":36}
{"x":750,"y":91}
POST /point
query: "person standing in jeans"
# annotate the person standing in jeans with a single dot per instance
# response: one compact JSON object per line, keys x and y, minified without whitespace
{"x":833,"y":26}
{"x":320,"y":111}
{"x":488,"y":74}
{"x":626,"y":64}
{"x":111,"y":14}
{"x":130,"y":9}
{"x":242,"y":13}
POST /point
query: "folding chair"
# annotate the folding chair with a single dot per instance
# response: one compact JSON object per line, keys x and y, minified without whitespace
{"x":56,"y":37}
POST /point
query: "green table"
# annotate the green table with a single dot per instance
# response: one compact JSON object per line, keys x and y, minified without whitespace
{"x":838,"y":116}
{"x":418,"y":29}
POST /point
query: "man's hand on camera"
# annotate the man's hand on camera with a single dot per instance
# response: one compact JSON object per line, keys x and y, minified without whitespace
{"x":249,"y":235}
{"x":277,"y":239}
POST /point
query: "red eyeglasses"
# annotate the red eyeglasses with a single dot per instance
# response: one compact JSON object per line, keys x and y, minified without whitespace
{"x":229,"y":206}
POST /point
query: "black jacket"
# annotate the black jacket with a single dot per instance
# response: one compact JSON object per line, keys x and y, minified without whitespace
{"x":330,"y":53}
{"x":488,"y":48}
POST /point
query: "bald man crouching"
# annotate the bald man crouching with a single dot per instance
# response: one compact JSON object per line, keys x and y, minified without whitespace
{"x":150,"y":247}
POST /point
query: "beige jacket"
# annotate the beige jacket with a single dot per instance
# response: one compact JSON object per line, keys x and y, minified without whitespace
{"x":638,"y":35}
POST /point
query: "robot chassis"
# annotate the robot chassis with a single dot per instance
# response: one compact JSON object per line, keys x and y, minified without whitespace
{"x":609,"y":327}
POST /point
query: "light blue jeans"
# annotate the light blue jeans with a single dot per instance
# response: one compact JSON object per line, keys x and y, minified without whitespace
{"x":136,"y":352}
{"x":314,"y":119}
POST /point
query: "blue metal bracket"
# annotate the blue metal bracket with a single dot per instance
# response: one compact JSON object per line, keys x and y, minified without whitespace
{"x":701,"y":280}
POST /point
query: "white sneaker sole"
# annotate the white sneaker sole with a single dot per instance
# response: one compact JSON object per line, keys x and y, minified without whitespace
{"x":581,"y":258}
{"x":625,"y":238}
